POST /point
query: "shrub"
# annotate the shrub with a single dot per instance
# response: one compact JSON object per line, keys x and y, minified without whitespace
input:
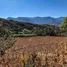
{"x":24,"y":35}
{"x":25,"y":31}
{"x":6,"y":40}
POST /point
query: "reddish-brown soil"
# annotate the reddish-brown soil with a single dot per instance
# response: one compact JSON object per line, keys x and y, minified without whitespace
{"x":40,"y":43}
{"x":50,"y":45}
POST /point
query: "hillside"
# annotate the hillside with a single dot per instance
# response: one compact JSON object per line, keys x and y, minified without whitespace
{"x":39,"y":20}
{"x":28,"y":28}
{"x":15,"y":24}
{"x":11,"y":24}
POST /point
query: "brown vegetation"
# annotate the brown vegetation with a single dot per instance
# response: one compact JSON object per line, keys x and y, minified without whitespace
{"x":42,"y":51}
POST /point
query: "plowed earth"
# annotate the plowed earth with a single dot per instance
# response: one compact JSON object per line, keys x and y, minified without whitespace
{"x":40,"y":43}
{"x":45,"y":44}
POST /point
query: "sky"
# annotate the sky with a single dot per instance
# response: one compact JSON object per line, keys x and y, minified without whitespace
{"x":33,"y":8}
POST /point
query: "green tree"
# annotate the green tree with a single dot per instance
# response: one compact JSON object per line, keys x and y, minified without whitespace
{"x":63,"y":26}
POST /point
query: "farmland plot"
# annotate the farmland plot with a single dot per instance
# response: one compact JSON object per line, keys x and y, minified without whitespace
{"x":40,"y":51}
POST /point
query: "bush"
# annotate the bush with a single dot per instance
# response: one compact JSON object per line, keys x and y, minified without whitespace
{"x":45,"y":31}
{"x":24,"y":35}
{"x":25,"y":31}
{"x":6,"y":40}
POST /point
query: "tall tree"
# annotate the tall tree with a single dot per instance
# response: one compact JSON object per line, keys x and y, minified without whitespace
{"x":63,"y":26}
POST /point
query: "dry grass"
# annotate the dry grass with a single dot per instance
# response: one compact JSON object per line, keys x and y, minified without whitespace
{"x":36,"y":52}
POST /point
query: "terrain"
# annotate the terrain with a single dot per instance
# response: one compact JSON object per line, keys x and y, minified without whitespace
{"x":44,"y":50}
{"x":18,"y":25}
{"x":20,"y":48}
{"x":39,"y":20}
{"x":21,"y":28}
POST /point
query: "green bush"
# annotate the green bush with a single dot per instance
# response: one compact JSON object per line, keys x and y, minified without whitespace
{"x":24,"y":35}
{"x":26,"y":31}
{"x":6,"y":40}
{"x":45,"y":31}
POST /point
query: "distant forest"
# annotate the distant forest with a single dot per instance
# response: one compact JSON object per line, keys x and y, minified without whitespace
{"x":18,"y":28}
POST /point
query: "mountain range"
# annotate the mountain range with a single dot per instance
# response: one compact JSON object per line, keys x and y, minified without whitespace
{"x":19,"y":26}
{"x":39,"y":20}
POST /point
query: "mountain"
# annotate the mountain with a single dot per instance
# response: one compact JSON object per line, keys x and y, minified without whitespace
{"x":39,"y":20}
{"x":17,"y":25}
{"x":14,"y":25}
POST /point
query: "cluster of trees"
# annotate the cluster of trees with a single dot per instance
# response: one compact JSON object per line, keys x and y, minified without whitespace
{"x":45,"y":31}
{"x":41,"y":31}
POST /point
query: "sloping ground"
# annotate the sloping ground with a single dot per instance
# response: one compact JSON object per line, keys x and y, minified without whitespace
{"x":17,"y":25}
{"x":55,"y":47}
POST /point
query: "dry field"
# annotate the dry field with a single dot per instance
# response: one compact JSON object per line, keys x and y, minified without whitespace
{"x":41,"y":51}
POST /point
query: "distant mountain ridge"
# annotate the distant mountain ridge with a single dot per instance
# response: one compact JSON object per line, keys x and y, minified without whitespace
{"x":19,"y":26}
{"x":39,"y":20}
